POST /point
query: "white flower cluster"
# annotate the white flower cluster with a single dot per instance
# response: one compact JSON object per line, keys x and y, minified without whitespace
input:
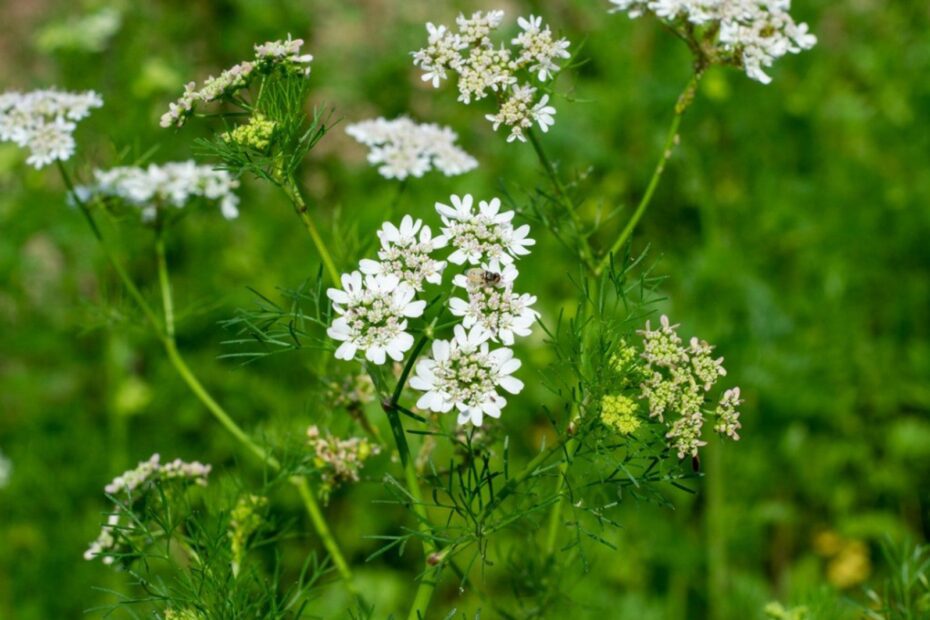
{"x":402,"y":148}
{"x":6,"y":468}
{"x":159,"y":187}
{"x":750,"y":33}
{"x":43,"y":122}
{"x":284,"y":54}
{"x":483,"y":68}
{"x":132,"y":484}
{"x":678,"y":378}
{"x":146,"y":471}
{"x":464,"y":373}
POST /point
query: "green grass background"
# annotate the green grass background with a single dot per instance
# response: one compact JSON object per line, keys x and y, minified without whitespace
{"x":793,"y":224}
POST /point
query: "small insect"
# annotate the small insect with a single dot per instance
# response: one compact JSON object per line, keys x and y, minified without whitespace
{"x":482,"y":277}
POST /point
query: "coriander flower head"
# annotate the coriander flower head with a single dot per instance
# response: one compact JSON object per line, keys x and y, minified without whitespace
{"x":162,"y":188}
{"x":402,"y":148}
{"x":465,"y":374}
{"x":748,"y":34}
{"x":43,"y":122}
{"x":484,"y":235}
{"x":505,"y":73}
{"x":492,"y":305}
{"x":274,"y":56}
{"x":406,"y":253}
{"x":373,"y":313}
{"x":154,"y":470}
{"x":676,"y":385}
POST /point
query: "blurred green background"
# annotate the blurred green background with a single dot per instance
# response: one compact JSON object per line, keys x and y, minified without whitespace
{"x":793,"y":223}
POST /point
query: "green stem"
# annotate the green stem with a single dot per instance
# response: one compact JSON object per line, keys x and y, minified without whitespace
{"x":108,"y":252}
{"x":430,"y":578}
{"x":555,"y":516}
{"x":584,"y":247}
{"x":684,"y":101}
{"x":300,"y":206}
{"x":302,"y":484}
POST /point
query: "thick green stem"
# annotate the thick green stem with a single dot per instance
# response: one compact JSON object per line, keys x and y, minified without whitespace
{"x":300,"y":206}
{"x":584,"y":248}
{"x":671,"y":140}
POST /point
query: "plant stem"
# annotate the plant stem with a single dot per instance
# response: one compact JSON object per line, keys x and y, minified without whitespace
{"x":300,"y":206}
{"x":303,"y":486}
{"x":584,"y":247}
{"x":671,"y":140}
{"x":117,"y":266}
{"x":430,"y":578}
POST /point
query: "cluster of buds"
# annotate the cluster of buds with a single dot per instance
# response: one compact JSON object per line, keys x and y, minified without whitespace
{"x":338,"y":460}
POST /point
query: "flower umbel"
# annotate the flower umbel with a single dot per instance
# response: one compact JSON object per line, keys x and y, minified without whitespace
{"x":506,"y":72}
{"x":406,"y":252}
{"x":159,"y":188}
{"x":338,"y":460}
{"x":492,"y":305}
{"x":401,"y":148}
{"x":43,"y":122}
{"x":748,"y":34}
{"x":482,"y":236}
{"x":465,"y":374}
{"x":373,"y":313}
{"x":677,"y":381}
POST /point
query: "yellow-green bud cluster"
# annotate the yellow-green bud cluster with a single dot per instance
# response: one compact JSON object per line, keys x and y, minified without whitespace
{"x":619,"y":413}
{"x":256,"y":134}
{"x":182,"y":614}
{"x":623,"y":357}
{"x":244,"y":520}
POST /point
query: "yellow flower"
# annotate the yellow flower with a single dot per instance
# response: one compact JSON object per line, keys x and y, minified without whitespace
{"x":619,"y":413}
{"x":257,"y":133}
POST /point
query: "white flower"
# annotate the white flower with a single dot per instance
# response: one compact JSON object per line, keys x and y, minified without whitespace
{"x":492,"y":305}
{"x":539,"y":48}
{"x":152,"y":469}
{"x":483,"y":67}
{"x":465,"y":374}
{"x":105,"y":542}
{"x":373,"y":315}
{"x":402,"y":148}
{"x":43,"y":122}
{"x":482,"y":236}
{"x":172,"y":185}
{"x":751,"y":34}
{"x":407,"y":255}
{"x":519,"y":113}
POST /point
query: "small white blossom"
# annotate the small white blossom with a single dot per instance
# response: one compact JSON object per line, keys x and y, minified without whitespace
{"x":750,"y":34}
{"x":465,"y":374}
{"x":406,"y":254}
{"x":402,"y":148}
{"x":43,"y":122}
{"x":105,"y":541}
{"x":166,"y":186}
{"x":492,"y":305}
{"x":484,"y":235}
{"x":146,"y":471}
{"x":483,"y":67}
{"x":373,"y":315}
